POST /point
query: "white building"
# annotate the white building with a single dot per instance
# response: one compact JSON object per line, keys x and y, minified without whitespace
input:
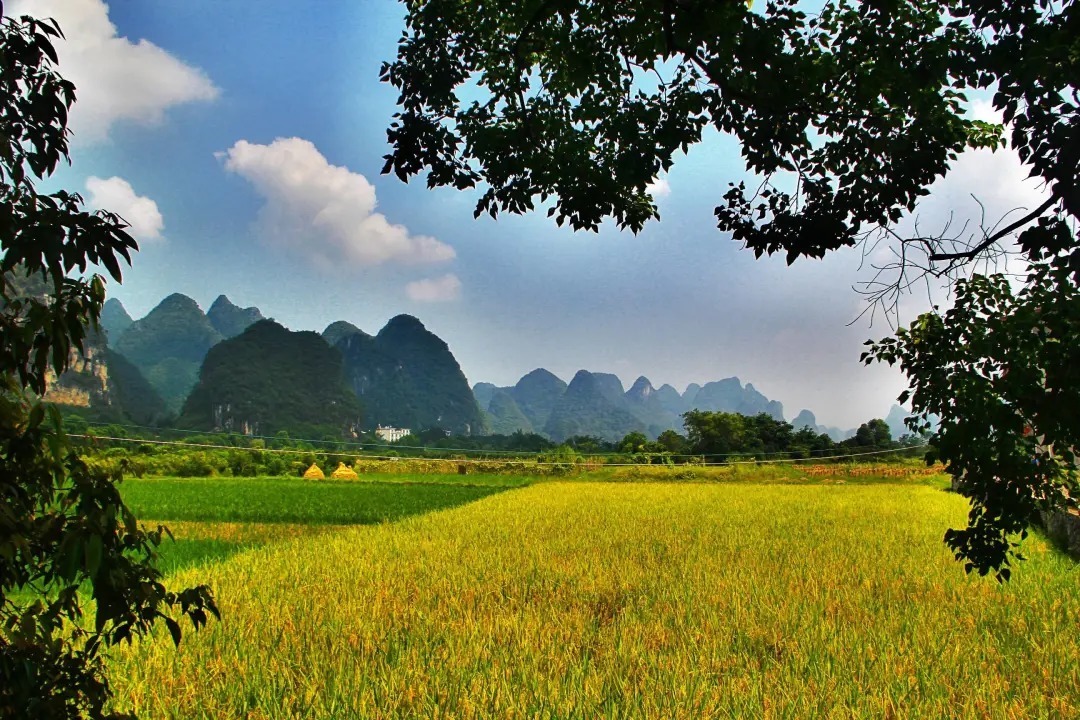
{"x":392,"y":434}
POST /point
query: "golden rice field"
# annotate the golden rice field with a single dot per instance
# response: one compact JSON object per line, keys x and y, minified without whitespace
{"x":620,"y":600}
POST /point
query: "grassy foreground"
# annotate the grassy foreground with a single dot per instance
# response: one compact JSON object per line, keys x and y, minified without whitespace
{"x":627,"y":600}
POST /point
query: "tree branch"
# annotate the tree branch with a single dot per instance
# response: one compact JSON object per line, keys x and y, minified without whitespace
{"x":973,"y":252}
{"x":542,"y":12}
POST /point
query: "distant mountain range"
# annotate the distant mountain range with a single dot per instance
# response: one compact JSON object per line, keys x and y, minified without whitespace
{"x":597,"y":404}
{"x":231,"y":369}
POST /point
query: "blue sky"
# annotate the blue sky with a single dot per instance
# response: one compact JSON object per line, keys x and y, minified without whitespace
{"x":243,"y":142}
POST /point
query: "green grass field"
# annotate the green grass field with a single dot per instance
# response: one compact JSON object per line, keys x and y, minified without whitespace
{"x":212,"y":518}
{"x":581,"y":600}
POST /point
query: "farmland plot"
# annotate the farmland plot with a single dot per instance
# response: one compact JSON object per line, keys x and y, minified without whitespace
{"x":568,"y":600}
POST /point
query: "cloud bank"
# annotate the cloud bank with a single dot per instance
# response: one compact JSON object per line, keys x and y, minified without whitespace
{"x":116,"y":195}
{"x":440,"y":289}
{"x":115,"y":79}
{"x":325,"y":212}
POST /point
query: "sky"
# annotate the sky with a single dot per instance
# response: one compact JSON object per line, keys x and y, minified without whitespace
{"x":243,"y":143}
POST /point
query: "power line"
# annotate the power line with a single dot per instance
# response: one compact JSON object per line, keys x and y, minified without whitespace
{"x":515,"y":453}
{"x":296,"y":451}
{"x":346,"y":443}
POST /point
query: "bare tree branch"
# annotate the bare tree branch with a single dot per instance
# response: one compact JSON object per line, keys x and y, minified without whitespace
{"x":991,"y":239}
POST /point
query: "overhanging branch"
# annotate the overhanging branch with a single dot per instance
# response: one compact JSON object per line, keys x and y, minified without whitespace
{"x":972,"y":253}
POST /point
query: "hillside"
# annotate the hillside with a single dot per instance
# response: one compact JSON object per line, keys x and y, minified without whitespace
{"x":504,"y":416}
{"x":648,"y":405}
{"x":98,"y":384}
{"x":729,"y":395}
{"x":589,"y":407}
{"x":483,"y":392}
{"x":537,"y":393}
{"x":269,"y":379}
{"x":168,"y":346}
{"x":133,"y":393}
{"x":406,"y":376}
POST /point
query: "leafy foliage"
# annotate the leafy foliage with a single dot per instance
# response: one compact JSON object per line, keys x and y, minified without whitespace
{"x":1002,"y":371}
{"x":62,"y":524}
{"x":727,"y":435}
{"x":565,"y":111}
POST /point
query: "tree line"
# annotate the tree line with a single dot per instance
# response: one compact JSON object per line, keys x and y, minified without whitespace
{"x":712,"y":437}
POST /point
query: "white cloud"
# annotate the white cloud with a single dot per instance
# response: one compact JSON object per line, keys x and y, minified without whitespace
{"x":440,"y":289}
{"x":324,"y":211}
{"x":115,"y":79}
{"x":983,"y":188}
{"x":659,"y":188}
{"x":116,"y":195}
{"x":984,"y":110}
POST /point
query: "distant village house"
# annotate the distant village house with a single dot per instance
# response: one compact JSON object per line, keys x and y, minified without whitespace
{"x":392,"y":434}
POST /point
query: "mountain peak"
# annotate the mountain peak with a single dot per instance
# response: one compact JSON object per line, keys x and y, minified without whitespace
{"x":539,"y":375}
{"x":536,"y":394}
{"x":404,"y":322}
{"x":581,"y":378}
{"x":805,"y":418}
{"x":114,"y":318}
{"x":592,"y":404}
{"x":406,"y":376}
{"x":336,"y":331}
{"x":114,"y":305}
{"x":641,"y":388}
{"x":483,"y":392}
{"x":230,"y":320}
{"x":168,"y":346}
{"x":178,"y":301}
{"x":222,"y":301}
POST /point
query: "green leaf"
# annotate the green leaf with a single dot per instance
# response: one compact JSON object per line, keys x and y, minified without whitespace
{"x":174,"y":629}
{"x":94,"y":548}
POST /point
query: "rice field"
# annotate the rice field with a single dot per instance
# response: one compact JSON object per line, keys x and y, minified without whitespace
{"x":212,"y":518}
{"x":655,"y":600}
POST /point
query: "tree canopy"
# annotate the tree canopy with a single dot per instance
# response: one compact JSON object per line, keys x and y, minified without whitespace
{"x":64,"y":530}
{"x":847,"y":115}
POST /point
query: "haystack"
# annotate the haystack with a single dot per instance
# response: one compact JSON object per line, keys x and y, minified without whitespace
{"x":314,"y":473}
{"x":344,"y":473}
